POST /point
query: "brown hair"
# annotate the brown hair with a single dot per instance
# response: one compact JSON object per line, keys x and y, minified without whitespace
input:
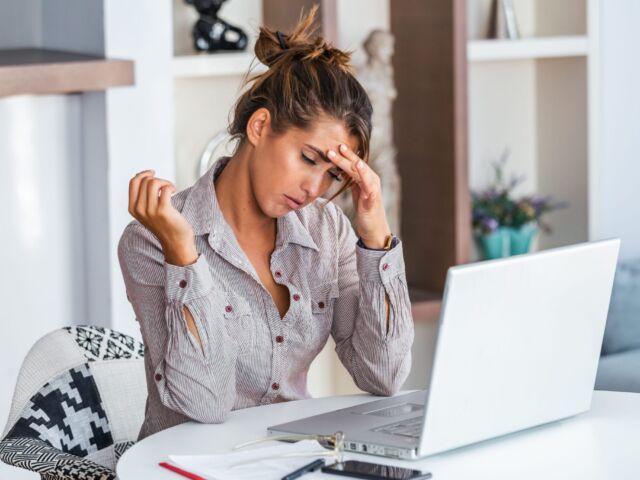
{"x":307,"y":77}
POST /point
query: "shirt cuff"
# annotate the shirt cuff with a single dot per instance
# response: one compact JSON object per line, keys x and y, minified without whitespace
{"x":187,"y":283}
{"x":380,"y":265}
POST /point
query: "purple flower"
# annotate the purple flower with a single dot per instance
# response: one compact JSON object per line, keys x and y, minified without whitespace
{"x":490,"y":224}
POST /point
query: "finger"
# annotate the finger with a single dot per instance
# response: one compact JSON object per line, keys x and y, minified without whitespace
{"x":134,"y":188}
{"x":367,"y":177}
{"x":153,"y":189}
{"x":369,"y":180}
{"x":141,"y":203}
{"x":164,"y":200}
{"x":344,"y":164}
{"x":346,"y":152}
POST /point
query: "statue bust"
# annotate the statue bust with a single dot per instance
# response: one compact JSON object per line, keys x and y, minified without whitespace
{"x":376,"y":76}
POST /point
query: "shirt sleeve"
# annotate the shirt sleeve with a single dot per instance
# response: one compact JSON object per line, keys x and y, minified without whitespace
{"x":377,"y":354}
{"x":194,"y":381}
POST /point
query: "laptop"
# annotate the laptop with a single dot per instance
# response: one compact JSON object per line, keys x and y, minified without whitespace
{"x":518,"y":345}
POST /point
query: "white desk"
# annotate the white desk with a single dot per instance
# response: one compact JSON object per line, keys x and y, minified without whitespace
{"x":601,"y":444}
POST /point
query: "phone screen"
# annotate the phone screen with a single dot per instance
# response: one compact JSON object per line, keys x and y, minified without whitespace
{"x":373,"y":471}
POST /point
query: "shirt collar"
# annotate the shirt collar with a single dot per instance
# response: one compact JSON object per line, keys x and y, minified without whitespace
{"x":201,"y":207}
{"x":292,"y":230}
{"x":202,"y":210}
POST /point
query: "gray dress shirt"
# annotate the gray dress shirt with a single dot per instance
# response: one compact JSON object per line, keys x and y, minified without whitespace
{"x":250,"y":355}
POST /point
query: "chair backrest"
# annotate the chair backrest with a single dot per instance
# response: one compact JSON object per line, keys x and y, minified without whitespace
{"x":82,"y":391}
{"x":622,"y":332}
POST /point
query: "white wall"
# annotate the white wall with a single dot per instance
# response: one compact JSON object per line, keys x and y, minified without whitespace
{"x":139,"y":122}
{"x":618,"y":205}
{"x":42,"y":286}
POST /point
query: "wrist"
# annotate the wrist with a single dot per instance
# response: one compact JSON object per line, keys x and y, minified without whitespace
{"x":181,"y":253}
{"x":376,"y":242}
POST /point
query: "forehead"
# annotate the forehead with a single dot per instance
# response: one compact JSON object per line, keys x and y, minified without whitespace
{"x":325,"y":134}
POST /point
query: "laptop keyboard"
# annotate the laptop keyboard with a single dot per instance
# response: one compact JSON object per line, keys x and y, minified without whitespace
{"x":412,"y":427}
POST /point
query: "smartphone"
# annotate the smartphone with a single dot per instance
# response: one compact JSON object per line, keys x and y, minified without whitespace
{"x":374,"y":471}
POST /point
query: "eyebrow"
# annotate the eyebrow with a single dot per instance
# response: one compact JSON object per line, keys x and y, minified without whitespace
{"x":319,"y":152}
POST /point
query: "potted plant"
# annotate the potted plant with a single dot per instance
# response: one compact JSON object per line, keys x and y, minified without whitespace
{"x":502,"y":224}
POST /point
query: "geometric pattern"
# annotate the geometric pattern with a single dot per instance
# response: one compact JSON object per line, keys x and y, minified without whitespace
{"x":122,"y":447}
{"x":68,"y":414}
{"x":37,"y":456}
{"x":99,"y":343}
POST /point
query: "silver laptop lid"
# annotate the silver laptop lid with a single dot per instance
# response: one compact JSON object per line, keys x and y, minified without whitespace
{"x":518,"y":343}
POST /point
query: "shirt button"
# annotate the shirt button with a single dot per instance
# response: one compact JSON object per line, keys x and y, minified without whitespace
{"x":158,"y":377}
{"x":321,"y":304}
{"x":278,"y":274}
{"x":228,"y":309}
{"x":183,"y":283}
{"x":385,"y":267}
{"x":279,"y":339}
{"x":296,"y":297}
{"x":275,"y":386}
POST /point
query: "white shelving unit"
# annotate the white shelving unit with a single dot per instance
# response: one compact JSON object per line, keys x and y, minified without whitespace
{"x":527,"y":48}
{"x":214,"y":65}
{"x":538,"y":97}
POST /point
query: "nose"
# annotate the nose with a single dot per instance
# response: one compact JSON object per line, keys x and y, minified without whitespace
{"x":312,"y":186}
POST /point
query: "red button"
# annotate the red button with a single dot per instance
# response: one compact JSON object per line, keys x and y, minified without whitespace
{"x":278,"y":274}
{"x":296,"y":297}
{"x":279,"y":339}
{"x":321,"y":304}
{"x":275,"y":386}
{"x":158,"y":377}
{"x":183,"y":283}
{"x":228,"y":309}
{"x":385,"y":267}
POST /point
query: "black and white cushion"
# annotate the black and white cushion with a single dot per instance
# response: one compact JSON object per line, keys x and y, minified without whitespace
{"x":78,"y":404}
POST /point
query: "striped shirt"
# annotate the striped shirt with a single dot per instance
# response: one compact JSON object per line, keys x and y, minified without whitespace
{"x":249,"y":354}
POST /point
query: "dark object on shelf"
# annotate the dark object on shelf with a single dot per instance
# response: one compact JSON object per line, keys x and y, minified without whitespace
{"x":502,"y":20}
{"x":211,"y":33}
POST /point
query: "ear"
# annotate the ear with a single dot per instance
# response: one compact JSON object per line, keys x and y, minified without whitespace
{"x":258,"y":125}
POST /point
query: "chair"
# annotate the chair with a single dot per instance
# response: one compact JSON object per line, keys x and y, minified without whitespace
{"x":78,"y":404}
{"x":619,"y":367}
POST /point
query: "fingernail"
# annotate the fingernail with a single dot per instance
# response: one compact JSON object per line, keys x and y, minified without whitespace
{"x":331,"y":153}
{"x":360,"y":164}
{"x":343,"y":147}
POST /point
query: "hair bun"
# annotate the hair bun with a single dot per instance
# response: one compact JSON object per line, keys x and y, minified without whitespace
{"x":303,"y":44}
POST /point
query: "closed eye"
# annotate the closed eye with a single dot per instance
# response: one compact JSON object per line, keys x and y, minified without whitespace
{"x":333,"y":175}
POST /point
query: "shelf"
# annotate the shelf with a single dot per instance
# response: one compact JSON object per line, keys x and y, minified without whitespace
{"x":425,"y":306}
{"x":37,"y":71}
{"x":527,"y":48}
{"x":215,"y":64}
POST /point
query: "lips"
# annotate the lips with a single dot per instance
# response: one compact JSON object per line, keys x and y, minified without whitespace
{"x":293,"y":202}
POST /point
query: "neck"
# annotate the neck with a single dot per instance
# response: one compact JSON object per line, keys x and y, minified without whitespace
{"x":237,"y":200}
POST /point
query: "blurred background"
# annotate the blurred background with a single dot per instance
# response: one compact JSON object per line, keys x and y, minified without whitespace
{"x":508,"y":122}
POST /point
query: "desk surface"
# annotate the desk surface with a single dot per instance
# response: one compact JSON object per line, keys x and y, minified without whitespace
{"x":600,"y":444}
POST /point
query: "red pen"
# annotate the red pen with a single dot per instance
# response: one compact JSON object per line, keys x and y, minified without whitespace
{"x":179,"y":471}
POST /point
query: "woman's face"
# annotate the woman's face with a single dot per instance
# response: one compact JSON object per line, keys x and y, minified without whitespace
{"x":291,"y":170}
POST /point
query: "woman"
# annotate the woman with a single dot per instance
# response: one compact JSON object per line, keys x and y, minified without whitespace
{"x":238,"y":281}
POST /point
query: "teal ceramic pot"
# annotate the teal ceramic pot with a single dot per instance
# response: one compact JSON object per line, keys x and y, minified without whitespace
{"x":494,"y":245}
{"x":520,"y":239}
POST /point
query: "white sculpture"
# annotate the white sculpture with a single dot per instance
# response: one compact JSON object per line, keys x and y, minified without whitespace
{"x":376,"y":76}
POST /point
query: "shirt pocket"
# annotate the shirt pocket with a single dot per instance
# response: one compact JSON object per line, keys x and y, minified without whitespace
{"x":321,"y":298}
{"x":239,"y":322}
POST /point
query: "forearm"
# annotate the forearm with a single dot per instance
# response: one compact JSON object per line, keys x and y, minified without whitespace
{"x":378,"y":351}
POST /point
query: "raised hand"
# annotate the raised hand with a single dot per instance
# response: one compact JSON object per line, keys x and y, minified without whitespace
{"x":371,"y":221}
{"x":150,"y":204}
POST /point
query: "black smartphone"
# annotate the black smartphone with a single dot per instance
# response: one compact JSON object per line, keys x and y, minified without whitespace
{"x":374,"y":471}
